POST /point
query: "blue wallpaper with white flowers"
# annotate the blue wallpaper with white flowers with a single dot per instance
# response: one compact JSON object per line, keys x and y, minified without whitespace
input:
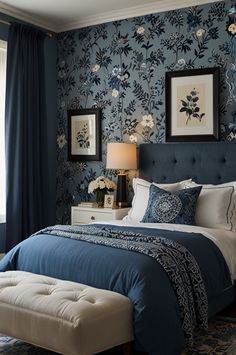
{"x":120,"y":67}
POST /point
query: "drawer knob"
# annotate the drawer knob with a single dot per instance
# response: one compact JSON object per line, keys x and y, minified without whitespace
{"x":92,"y":218}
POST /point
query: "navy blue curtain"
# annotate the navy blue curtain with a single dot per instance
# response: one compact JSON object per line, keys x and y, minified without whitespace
{"x":25,"y":134}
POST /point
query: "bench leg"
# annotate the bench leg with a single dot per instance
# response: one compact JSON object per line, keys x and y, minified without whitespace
{"x":128,"y":348}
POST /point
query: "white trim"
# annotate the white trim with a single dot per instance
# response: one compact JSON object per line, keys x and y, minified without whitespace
{"x":21,"y":15}
{"x":3,"y":64}
{"x":3,"y":45}
{"x":2,"y":218}
{"x":109,"y":16}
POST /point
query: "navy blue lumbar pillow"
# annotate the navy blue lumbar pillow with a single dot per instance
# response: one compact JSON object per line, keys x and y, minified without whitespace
{"x":166,"y":207}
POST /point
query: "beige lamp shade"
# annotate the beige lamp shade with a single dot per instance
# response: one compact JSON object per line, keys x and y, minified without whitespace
{"x":122,"y":156}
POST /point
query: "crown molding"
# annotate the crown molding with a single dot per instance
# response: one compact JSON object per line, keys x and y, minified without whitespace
{"x":134,"y":11}
{"x":21,"y":15}
{"x":109,"y":16}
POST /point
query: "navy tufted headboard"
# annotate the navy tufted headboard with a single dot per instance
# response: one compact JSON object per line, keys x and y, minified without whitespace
{"x":205,"y":162}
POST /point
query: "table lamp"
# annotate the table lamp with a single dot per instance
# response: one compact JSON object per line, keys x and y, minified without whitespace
{"x":121,"y":156}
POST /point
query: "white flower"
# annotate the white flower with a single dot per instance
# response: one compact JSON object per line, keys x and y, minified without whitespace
{"x":92,"y":186}
{"x":115,"y":93}
{"x":132,"y":138}
{"x":95,"y":68}
{"x":232,"y":28}
{"x":140,"y":30}
{"x":122,"y":78}
{"x":200,"y":32}
{"x":181,"y":62}
{"x":101,"y":183}
{"x":115,"y":71}
{"x":61,"y":141}
{"x":147,"y":121}
{"x":231,"y":136}
{"x":110,"y":184}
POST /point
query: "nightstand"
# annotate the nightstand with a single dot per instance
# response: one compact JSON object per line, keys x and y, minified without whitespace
{"x":83,"y":215}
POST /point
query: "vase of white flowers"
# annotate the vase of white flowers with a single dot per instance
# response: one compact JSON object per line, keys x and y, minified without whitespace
{"x":101,"y":186}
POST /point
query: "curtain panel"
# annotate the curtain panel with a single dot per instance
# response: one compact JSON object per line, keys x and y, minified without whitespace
{"x":3,"y":63}
{"x":26,"y":147}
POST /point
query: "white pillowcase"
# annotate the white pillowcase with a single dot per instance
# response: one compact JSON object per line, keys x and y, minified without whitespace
{"x":141,"y":197}
{"x":216,"y":206}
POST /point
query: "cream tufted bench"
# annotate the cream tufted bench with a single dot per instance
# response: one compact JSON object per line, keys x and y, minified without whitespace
{"x":63,"y":316}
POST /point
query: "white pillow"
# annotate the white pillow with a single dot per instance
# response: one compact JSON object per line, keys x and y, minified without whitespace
{"x":216,"y":205}
{"x":141,"y":197}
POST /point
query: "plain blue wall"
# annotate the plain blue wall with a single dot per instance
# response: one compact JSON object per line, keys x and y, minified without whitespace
{"x":50,"y":129}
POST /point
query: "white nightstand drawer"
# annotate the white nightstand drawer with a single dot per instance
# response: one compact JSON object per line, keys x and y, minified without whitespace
{"x":89,"y":215}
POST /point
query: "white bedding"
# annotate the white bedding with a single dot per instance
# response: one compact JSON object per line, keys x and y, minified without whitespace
{"x":225,"y":240}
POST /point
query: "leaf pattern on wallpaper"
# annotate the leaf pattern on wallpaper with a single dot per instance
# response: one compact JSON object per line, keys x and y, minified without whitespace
{"x":120,"y":67}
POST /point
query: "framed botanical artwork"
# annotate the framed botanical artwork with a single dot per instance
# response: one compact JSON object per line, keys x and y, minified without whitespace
{"x":108,"y":201}
{"x":192,"y":105}
{"x":84,"y":142}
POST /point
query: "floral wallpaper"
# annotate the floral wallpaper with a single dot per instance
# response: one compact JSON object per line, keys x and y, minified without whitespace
{"x":120,"y":67}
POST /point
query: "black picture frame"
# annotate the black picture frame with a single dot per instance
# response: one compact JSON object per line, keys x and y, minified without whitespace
{"x":202,"y":88}
{"x":84,"y":134}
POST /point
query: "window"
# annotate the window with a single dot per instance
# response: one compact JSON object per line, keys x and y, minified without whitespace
{"x":3,"y":61}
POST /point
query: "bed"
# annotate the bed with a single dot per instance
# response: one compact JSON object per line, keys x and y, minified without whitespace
{"x":100,"y":259}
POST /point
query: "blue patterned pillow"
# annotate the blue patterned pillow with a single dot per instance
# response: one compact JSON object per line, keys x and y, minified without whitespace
{"x":166,"y":207}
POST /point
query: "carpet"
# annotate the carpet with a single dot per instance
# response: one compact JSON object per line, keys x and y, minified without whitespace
{"x":219,"y":339}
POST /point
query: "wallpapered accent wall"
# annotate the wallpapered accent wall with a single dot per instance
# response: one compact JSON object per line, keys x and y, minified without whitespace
{"x":120,"y":67}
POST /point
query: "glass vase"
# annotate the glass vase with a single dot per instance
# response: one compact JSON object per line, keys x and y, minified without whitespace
{"x":100,"y":195}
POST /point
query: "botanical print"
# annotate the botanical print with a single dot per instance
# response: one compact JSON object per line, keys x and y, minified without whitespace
{"x":83,"y":135}
{"x":191,"y":108}
{"x":120,"y":67}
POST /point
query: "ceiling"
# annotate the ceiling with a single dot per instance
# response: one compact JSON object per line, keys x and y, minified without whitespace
{"x":63,"y":15}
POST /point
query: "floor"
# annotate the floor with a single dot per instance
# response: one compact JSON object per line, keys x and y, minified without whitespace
{"x":229,"y":311}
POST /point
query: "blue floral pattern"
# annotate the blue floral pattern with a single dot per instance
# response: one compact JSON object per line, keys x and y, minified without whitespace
{"x":178,"y":207}
{"x":120,"y":67}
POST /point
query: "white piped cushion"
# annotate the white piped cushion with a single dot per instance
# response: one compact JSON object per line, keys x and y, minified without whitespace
{"x":63,"y":316}
{"x":141,"y":197}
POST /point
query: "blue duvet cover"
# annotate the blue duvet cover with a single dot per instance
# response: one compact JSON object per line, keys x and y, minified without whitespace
{"x":157,"y":324}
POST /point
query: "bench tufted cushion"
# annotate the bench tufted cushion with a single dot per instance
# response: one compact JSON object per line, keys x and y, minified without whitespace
{"x":63,"y":316}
